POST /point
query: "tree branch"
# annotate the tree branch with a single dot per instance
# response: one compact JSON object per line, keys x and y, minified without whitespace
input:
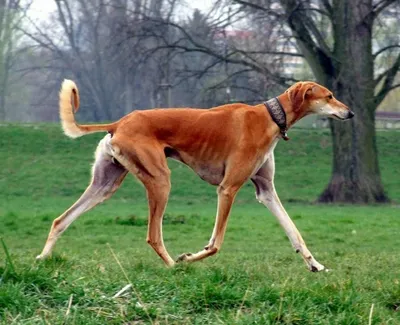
{"x":318,"y":55}
{"x":394,"y":87}
{"x":309,"y":23}
{"x":390,"y":76}
{"x":258,"y":7}
{"x":380,"y":51}
{"x":229,"y":58}
{"x":380,"y":6}
{"x":328,"y":7}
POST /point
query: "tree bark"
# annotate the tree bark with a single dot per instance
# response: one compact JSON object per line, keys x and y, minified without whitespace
{"x":355,"y":174}
{"x":6,"y":31}
{"x":355,"y":170}
{"x":2,"y":107}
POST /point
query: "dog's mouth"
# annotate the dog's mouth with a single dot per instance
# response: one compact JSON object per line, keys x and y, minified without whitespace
{"x":337,"y":117}
{"x":349,"y":115}
{"x":341,"y":118}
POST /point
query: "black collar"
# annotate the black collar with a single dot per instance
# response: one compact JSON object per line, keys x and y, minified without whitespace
{"x":278,"y":114}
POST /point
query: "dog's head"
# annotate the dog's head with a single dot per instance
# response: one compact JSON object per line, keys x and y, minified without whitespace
{"x":311,"y":98}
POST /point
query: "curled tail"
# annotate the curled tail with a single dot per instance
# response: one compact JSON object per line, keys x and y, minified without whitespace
{"x":69,"y":125}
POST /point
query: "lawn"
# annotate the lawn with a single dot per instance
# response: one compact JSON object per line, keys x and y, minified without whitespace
{"x":256,"y":278}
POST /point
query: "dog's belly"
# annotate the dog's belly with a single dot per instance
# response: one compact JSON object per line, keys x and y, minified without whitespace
{"x":212,"y":173}
{"x":207,"y":172}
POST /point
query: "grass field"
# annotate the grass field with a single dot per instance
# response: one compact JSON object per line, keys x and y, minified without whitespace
{"x":255,"y":279}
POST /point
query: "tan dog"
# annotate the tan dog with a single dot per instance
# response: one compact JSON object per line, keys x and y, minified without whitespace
{"x":225,"y":146}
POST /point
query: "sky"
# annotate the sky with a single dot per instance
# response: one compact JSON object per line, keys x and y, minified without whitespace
{"x":40,"y":9}
{"x":202,"y":5}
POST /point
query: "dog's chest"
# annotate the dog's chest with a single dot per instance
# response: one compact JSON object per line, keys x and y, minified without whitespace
{"x":264,"y":157}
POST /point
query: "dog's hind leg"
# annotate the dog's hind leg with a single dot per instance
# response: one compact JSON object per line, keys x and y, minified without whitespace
{"x":157,"y":194}
{"x":145,"y":159}
{"x":107,"y":176}
{"x":266,"y":194}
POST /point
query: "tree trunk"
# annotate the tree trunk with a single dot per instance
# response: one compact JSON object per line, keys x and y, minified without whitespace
{"x":3,"y":41}
{"x":2,"y":106}
{"x":355,"y":172}
{"x":355,"y":175}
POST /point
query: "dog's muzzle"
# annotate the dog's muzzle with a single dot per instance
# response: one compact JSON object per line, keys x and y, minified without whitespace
{"x":350,"y":114}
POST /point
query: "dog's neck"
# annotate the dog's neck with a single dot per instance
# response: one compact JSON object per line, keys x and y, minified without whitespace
{"x":293,"y":114}
{"x":282,"y":111}
{"x":278,"y":115}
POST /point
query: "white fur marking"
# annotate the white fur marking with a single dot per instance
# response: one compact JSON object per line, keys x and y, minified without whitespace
{"x":265,"y":157}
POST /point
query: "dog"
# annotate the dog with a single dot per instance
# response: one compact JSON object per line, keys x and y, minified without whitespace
{"x":225,"y":146}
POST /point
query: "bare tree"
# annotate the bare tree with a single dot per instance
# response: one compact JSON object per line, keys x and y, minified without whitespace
{"x":347,"y":67}
{"x":130,"y":54}
{"x":11,"y":14}
{"x":89,"y":40}
{"x":116,"y":52}
{"x":335,"y":38}
{"x":82,"y":40}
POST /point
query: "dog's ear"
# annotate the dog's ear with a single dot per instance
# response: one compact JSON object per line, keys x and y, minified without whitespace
{"x":299,"y":92}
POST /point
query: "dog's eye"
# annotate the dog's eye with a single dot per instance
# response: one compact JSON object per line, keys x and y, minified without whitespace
{"x":330,"y":97}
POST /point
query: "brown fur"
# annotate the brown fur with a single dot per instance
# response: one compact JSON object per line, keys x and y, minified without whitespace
{"x":225,"y":146}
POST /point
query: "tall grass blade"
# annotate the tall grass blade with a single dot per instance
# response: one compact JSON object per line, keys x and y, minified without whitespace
{"x":9,"y":262}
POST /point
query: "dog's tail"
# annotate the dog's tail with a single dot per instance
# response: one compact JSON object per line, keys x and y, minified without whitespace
{"x":69,"y":125}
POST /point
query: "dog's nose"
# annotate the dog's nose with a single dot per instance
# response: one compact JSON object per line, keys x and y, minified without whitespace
{"x":351,"y":114}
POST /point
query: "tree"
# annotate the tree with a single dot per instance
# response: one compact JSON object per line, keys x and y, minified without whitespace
{"x":139,"y":52}
{"x":91,"y":43}
{"x":335,"y":38}
{"x":347,"y":67}
{"x":82,"y":39}
{"x":10,"y":15}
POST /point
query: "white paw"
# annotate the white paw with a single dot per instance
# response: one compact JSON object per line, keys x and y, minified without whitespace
{"x":317,"y":267}
{"x":183,"y":257}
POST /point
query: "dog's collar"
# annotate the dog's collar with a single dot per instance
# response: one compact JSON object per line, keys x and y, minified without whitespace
{"x":278,"y":114}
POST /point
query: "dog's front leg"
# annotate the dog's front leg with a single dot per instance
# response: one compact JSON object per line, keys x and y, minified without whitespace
{"x":226,"y":196}
{"x":266,"y":194}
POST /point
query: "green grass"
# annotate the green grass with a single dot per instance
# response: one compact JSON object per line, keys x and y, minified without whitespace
{"x":255,"y":279}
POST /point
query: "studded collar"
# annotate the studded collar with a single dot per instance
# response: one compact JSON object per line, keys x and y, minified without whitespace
{"x":278,"y":115}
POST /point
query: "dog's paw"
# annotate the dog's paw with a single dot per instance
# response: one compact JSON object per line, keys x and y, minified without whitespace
{"x":317,"y":267}
{"x":183,"y":257}
{"x":210,"y":244}
{"x":42,"y":257}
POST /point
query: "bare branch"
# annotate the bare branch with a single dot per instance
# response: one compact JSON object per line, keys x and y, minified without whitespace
{"x":328,"y":6}
{"x":394,"y":87}
{"x":381,"y":5}
{"x":317,"y":54}
{"x":229,"y":58}
{"x":67,"y":26}
{"x":390,"y":76}
{"x":385,"y":49}
{"x":320,"y":11}
{"x":258,"y":7}
{"x":308,"y":24}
